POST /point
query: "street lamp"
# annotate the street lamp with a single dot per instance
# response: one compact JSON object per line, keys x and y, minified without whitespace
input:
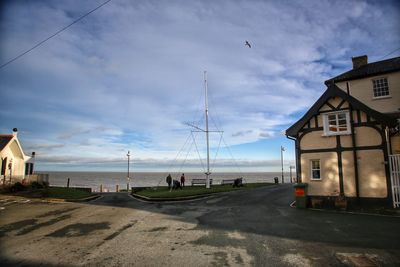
{"x":282,"y":149}
{"x":128,"y":178}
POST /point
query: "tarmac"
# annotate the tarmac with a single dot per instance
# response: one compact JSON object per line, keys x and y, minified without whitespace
{"x":254,"y":227}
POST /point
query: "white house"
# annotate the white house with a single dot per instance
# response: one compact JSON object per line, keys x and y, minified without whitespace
{"x":14,"y":164}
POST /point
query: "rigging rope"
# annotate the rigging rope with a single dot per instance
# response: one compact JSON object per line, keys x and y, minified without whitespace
{"x":184,"y":161}
{"x":230,"y":152}
{"x":216,"y":154}
{"x":177,"y":155}
{"x":202,"y":164}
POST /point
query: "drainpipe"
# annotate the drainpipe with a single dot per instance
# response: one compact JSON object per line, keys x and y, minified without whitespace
{"x":297,"y":159}
{"x":354,"y":145}
{"x":388,"y":166}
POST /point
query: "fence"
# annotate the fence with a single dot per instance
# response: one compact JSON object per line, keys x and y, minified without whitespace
{"x":42,"y":178}
{"x":394,"y":161}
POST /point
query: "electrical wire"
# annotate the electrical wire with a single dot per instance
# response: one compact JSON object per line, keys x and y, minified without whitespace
{"x":53,"y":35}
{"x":397,"y":49}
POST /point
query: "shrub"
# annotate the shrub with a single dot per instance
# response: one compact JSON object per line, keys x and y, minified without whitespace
{"x":17,"y":187}
{"x":36,"y":185}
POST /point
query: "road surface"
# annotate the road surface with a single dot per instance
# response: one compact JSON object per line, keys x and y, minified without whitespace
{"x":244,"y":228}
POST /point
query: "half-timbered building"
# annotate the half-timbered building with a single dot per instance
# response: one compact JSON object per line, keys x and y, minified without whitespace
{"x":344,"y":146}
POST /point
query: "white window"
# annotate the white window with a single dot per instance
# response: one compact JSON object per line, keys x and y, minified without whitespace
{"x":315,"y":169}
{"x":381,"y":87}
{"x":336,"y":123}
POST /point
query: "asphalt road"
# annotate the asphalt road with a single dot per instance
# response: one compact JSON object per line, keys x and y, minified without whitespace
{"x":243,"y":228}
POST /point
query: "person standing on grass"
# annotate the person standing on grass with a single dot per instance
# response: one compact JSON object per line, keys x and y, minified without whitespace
{"x":183,"y":180}
{"x":169,"y":180}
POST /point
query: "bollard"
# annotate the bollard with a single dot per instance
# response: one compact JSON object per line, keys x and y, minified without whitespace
{"x":117,"y":188}
{"x":68,"y":183}
{"x":101,"y":188}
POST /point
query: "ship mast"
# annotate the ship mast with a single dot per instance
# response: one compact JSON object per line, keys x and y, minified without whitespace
{"x":207,"y":132}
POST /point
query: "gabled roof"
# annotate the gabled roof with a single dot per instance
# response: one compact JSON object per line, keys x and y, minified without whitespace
{"x":334,"y":91}
{"x":4,"y":140}
{"x":370,"y":69}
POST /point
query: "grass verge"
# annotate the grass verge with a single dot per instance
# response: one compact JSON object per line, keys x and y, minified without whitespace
{"x":163,"y":192}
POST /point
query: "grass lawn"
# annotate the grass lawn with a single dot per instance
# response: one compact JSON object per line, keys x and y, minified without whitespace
{"x":65,"y":193}
{"x":163,"y":192}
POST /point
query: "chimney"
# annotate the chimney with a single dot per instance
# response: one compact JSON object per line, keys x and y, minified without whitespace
{"x":15,"y":132}
{"x":359,"y":61}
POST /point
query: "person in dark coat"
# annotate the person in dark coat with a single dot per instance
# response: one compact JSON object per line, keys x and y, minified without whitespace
{"x":169,"y":180}
{"x":238,"y":182}
{"x":183,"y":180}
{"x":176,"y":184}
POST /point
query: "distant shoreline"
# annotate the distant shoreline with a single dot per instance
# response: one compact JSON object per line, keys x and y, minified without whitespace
{"x":111,"y":180}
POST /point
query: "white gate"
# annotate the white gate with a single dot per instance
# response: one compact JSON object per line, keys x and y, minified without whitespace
{"x":394,"y":161}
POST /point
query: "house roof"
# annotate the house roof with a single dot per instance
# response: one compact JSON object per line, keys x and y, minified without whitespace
{"x":370,"y":69}
{"x":333,"y":91}
{"x":4,"y":140}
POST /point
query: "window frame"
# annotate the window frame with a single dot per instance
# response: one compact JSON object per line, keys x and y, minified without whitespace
{"x":373,"y":88}
{"x":312,"y":169}
{"x":327,"y":131}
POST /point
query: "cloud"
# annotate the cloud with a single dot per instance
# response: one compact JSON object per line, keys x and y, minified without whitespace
{"x":45,"y":146}
{"x":241,"y":133}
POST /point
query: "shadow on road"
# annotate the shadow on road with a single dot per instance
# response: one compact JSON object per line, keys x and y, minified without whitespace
{"x":266,"y":212}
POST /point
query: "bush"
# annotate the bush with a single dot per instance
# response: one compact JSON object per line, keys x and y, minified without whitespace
{"x":17,"y":187}
{"x":36,"y":185}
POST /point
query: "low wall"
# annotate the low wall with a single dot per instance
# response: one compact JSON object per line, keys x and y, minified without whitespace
{"x":42,"y":178}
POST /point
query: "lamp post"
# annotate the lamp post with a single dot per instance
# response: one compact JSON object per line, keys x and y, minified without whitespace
{"x":282,"y":149}
{"x":128,"y":178}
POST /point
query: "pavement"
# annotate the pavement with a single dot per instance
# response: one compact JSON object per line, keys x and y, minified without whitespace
{"x":243,"y":228}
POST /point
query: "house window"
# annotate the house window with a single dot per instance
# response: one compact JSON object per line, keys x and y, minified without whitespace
{"x":315,"y":170}
{"x":381,"y":87}
{"x":336,"y":123}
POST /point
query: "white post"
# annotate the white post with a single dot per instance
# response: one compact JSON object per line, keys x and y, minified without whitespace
{"x":282,"y":149}
{"x":128,"y":178}
{"x":207,"y":138}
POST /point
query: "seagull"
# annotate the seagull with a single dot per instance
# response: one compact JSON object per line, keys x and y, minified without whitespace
{"x":248,"y":44}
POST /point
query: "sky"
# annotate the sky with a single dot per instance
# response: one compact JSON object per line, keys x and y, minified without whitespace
{"x":130,"y":77}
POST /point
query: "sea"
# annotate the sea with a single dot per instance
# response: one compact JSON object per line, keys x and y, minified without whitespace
{"x":110,"y":180}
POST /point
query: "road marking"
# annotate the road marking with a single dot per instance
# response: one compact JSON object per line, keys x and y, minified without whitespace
{"x":10,"y":202}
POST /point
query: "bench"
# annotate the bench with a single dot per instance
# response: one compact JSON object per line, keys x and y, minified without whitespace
{"x":232,"y":181}
{"x":200,"y":181}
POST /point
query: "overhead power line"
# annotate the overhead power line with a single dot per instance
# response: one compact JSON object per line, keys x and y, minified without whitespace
{"x":54,"y":34}
{"x":389,"y":53}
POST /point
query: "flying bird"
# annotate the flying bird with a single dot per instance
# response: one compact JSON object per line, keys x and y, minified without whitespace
{"x":248,"y":44}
